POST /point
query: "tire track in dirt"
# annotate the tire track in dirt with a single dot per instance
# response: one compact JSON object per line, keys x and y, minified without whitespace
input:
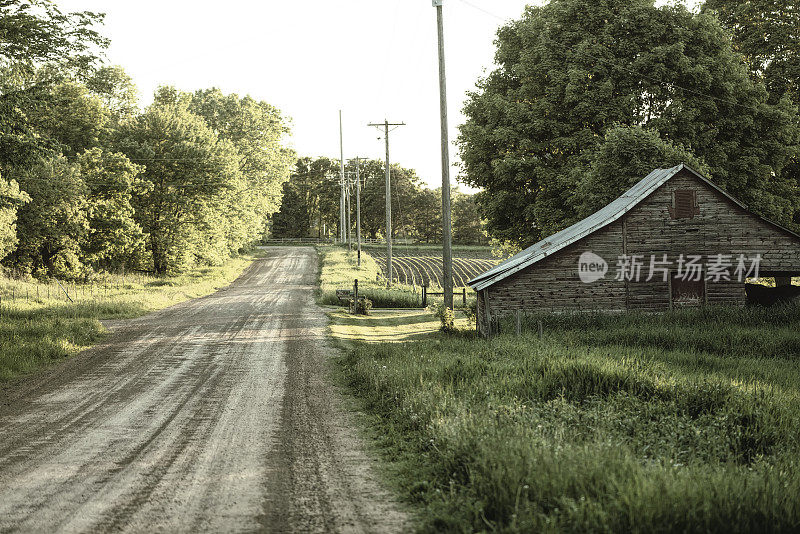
{"x":214,"y":415}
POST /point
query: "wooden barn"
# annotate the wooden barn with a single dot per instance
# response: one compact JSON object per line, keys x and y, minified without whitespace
{"x":674,"y":239}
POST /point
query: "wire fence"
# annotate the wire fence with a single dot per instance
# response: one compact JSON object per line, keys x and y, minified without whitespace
{"x":104,"y":285}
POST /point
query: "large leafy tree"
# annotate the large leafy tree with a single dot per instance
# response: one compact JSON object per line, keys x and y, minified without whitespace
{"x":426,"y":215}
{"x":405,"y":186}
{"x":310,"y":201}
{"x":114,"y":239}
{"x":33,"y":34}
{"x":11,"y":198}
{"x":570,"y":71}
{"x":467,"y":223}
{"x":767,"y":32}
{"x":54,"y":224}
{"x":257,"y":131}
{"x":625,"y":155}
{"x":188,"y":171}
{"x":71,"y":118}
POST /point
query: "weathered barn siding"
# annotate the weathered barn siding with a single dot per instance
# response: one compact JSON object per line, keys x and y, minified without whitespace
{"x":720,"y":226}
{"x":554,"y":283}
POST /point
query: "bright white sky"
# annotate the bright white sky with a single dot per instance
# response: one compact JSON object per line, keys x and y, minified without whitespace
{"x":373,"y":59}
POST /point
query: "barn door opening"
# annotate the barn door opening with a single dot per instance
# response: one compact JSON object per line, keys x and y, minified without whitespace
{"x":687,"y":293}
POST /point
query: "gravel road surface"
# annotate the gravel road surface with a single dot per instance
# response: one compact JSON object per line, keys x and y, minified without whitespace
{"x":214,"y":415}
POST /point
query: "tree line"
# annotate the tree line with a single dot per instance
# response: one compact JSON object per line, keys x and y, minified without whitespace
{"x":589,"y":96}
{"x":88,"y":182}
{"x":310,"y":206}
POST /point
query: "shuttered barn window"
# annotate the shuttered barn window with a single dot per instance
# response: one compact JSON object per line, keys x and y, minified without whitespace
{"x":684,"y":204}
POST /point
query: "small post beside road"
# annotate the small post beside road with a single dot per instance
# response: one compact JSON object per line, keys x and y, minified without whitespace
{"x":519,"y":322}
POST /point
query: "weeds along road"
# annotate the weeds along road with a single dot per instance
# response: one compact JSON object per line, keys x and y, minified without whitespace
{"x":214,"y":415}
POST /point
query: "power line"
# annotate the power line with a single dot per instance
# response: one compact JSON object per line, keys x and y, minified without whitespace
{"x":473,"y":6}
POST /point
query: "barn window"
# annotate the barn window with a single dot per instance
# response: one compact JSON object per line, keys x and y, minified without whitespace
{"x":684,"y":204}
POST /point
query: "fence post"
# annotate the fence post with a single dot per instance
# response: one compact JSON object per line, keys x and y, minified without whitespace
{"x":355,"y":291}
{"x":464,"y":289}
{"x":519,"y":322}
{"x":424,"y":295}
{"x":541,"y":329}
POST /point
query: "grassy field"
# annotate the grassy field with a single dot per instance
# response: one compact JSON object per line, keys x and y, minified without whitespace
{"x":39,"y":324}
{"x":339,"y":268}
{"x":682,"y":422}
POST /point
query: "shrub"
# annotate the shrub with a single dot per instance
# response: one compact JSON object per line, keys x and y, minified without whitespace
{"x":361,"y":307}
{"x":446,"y":316}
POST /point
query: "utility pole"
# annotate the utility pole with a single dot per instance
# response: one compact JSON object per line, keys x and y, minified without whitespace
{"x":447,"y":237}
{"x":345,"y":190}
{"x":358,"y":206}
{"x":341,"y":210}
{"x":386,"y":124}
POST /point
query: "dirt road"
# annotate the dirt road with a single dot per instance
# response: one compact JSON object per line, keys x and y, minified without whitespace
{"x":214,"y":415}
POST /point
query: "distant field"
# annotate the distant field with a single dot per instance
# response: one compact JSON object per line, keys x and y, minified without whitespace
{"x":416,"y":267}
{"x":461,"y":251}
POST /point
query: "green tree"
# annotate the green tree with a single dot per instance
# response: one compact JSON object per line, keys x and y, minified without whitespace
{"x":72,"y":118}
{"x":405,"y":185}
{"x":114,"y":238}
{"x":767,"y":32}
{"x":626,"y":155}
{"x":11,"y":198}
{"x":426,"y":215}
{"x":573,"y":69}
{"x":53,"y":225}
{"x":257,"y":130}
{"x":116,"y":90}
{"x":292,"y":220}
{"x":467,"y":223}
{"x":188,"y":173}
{"x":33,"y":34}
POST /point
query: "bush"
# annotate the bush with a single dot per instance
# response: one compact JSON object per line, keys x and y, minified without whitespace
{"x":446,"y":316}
{"x":361,"y":307}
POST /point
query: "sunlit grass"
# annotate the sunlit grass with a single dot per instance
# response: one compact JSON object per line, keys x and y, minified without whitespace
{"x":387,"y":326}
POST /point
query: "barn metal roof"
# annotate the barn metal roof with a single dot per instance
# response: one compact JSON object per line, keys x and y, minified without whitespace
{"x":589,"y":225}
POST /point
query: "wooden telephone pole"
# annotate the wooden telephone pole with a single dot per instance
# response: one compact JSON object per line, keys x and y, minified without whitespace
{"x":345,"y":190}
{"x":358,"y":206}
{"x":386,"y":125}
{"x":447,"y":256}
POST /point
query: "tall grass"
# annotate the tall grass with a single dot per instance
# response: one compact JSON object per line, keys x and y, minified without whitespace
{"x":40,"y":324}
{"x":577,"y":433}
{"x":720,"y":330}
